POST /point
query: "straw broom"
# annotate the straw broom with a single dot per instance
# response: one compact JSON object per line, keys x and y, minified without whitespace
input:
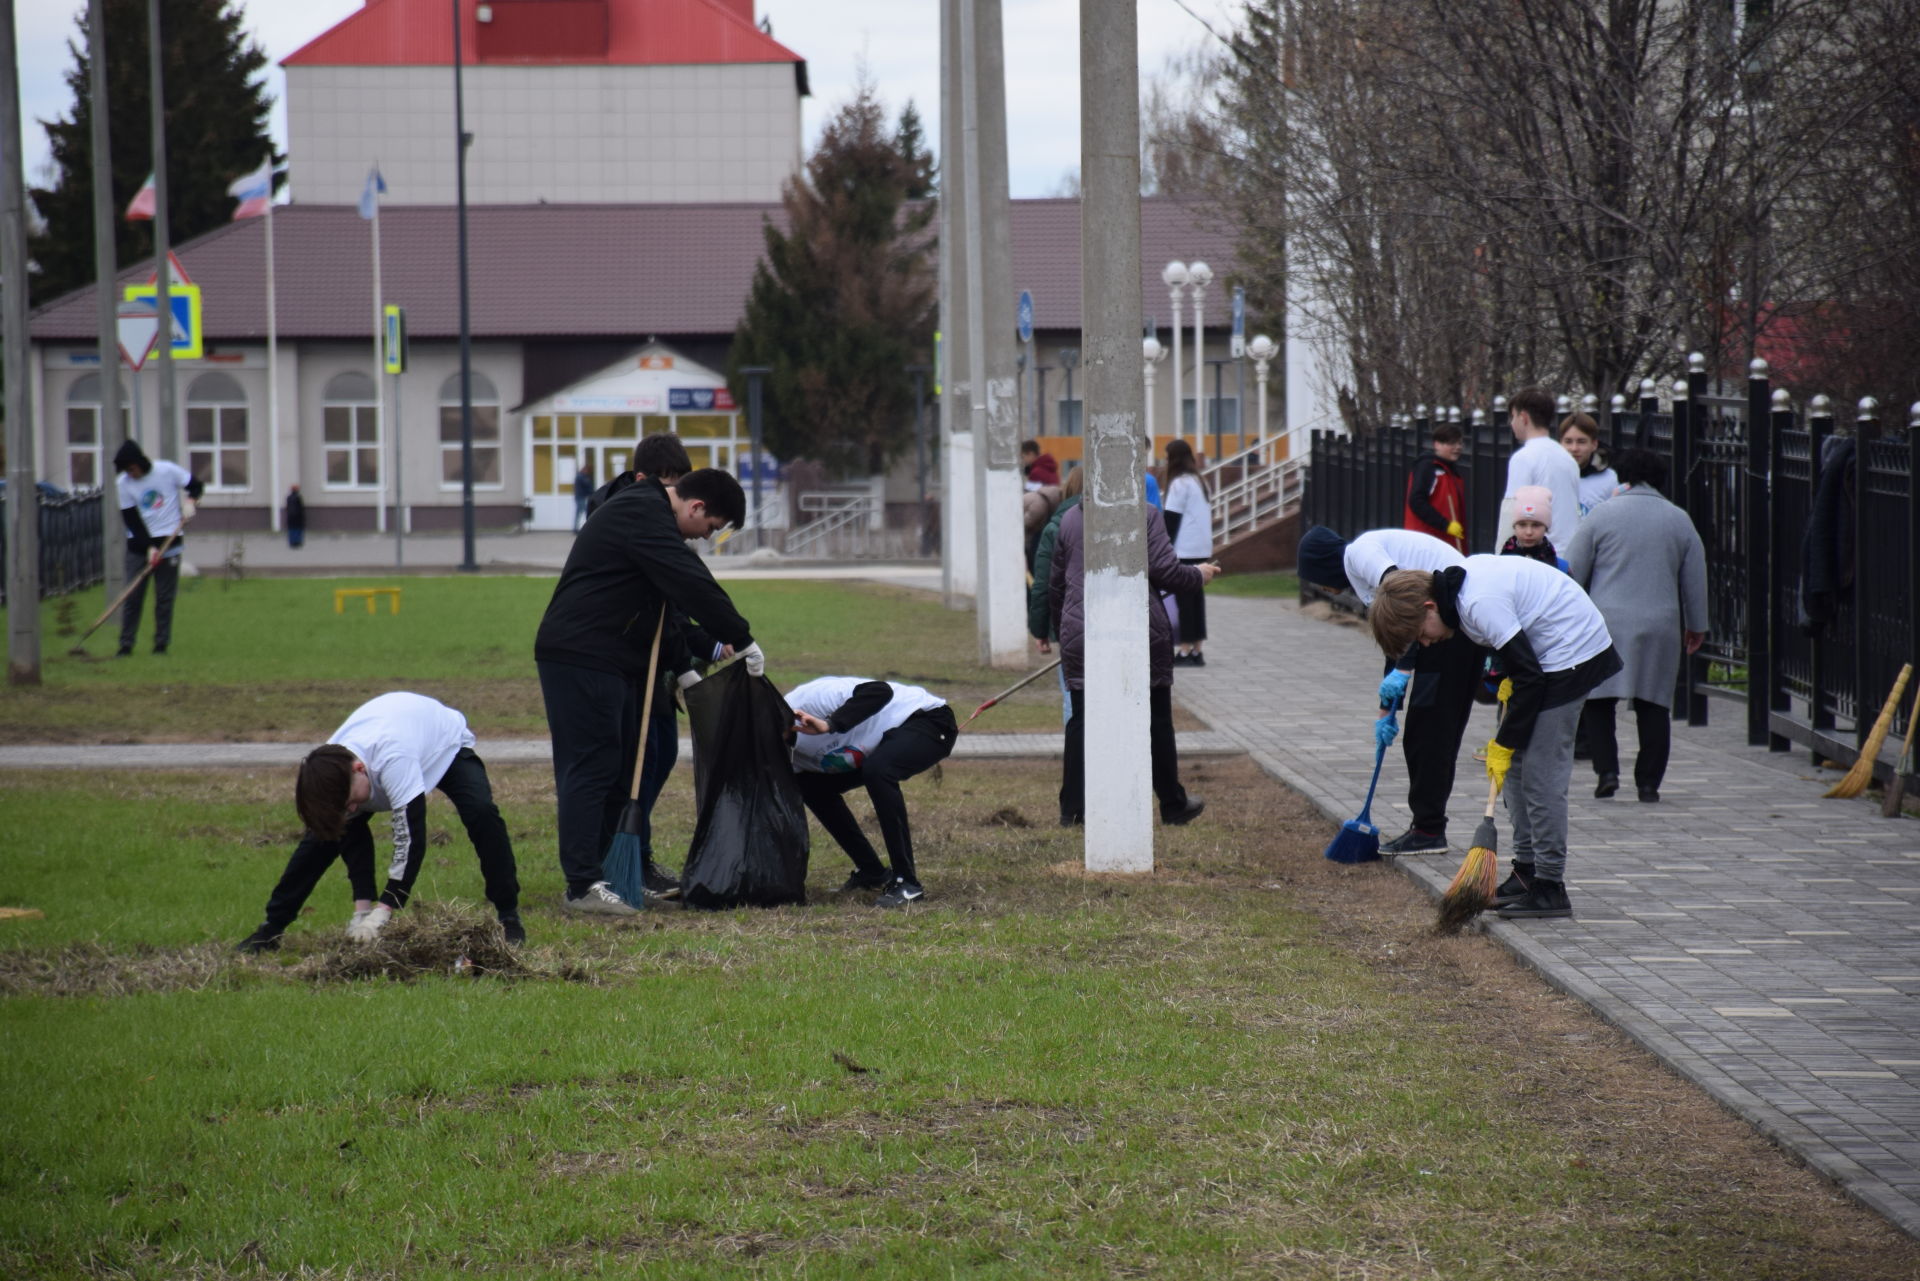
{"x":1897,"y":787}
{"x":1473,"y":885}
{"x":625,"y":865}
{"x":1855,"y":780}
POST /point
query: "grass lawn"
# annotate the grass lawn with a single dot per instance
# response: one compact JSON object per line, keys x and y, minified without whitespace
{"x":268,"y":659}
{"x":1251,"y":1063}
{"x":1273,"y":582}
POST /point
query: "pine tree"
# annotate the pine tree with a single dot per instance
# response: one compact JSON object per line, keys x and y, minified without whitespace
{"x":910,"y":140}
{"x":843,"y":300}
{"x":216,"y":130}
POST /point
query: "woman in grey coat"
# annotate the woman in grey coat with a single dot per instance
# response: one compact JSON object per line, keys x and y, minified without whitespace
{"x":1066,"y":600}
{"x":1643,"y":564}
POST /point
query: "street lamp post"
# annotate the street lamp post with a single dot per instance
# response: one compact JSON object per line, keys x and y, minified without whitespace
{"x":1070,"y":361}
{"x":468,"y":564}
{"x":919,"y":373}
{"x":755,"y":374}
{"x":1152,"y":353}
{"x":1262,"y":349}
{"x":1201,"y":276}
{"x":1175,"y":276}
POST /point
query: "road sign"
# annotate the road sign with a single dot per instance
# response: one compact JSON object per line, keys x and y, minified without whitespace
{"x":185,"y":329}
{"x":1238,"y":348}
{"x":138,"y":328}
{"x":393,"y":340}
{"x":1026,"y":315}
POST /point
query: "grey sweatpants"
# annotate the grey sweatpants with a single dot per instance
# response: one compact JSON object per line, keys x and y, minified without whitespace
{"x":1537,"y":792}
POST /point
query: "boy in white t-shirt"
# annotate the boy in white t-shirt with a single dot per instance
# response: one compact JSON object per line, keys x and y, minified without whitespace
{"x":1553,"y":644}
{"x":853,"y":733}
{"x":385,"y":759}
{"x":1539,"y":461}
{"x":156,"y":500}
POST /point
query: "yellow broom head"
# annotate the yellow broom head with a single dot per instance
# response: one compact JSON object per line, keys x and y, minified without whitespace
{"x":1856,"y":779}
{"x":1471,"y":892}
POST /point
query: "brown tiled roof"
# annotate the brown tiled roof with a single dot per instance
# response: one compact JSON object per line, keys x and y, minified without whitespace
{"x":586,"y":271}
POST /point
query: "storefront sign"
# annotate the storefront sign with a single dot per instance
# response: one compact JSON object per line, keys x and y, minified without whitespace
{"x":700,"y":399}
{"x":645,"y":404}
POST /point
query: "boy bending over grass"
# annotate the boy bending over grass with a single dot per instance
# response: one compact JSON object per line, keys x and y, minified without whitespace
{"x":385,"y":759}
{"x":1553,"y":645}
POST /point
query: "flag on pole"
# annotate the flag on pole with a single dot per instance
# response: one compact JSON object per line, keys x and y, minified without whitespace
{"x":370,"y":196}
{"x":254,"y":191}
{"x":141,"y":207}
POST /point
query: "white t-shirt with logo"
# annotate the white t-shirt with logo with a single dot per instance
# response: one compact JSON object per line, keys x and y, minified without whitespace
{"x":1543,"y":461}
{"x":156,"y":496}
{"x":824,"y":697}
{"x":406,"y":741}
{"x":1186,"y":497}
{"x":1370,"y":555}
{"x":1505,"y":595}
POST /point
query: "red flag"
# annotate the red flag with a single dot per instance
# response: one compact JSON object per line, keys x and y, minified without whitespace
{"x":141,"y":208}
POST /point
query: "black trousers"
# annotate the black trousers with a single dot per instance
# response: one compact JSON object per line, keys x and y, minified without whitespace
{"x":1193,"y":610}
{"x":465,"y":784}
{"x":1160,"y":740}
{"x":912,"y":747}
{"x":1439,"y":704}
{"x":166,"y":584}
{"x":594,"y":719}
{"x":663,"y":750}
{"x":1655,"y":724}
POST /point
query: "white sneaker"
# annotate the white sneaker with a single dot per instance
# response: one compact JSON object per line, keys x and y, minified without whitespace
{"x":366,"y":926}
{"x":598,"y":899}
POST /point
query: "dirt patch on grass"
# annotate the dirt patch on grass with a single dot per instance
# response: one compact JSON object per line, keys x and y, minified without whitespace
{"x":88,"y":969}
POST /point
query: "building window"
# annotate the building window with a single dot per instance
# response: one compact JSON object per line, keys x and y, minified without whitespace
{"x":1226,"y":410}
{"x":86,"y":465}
{"x":217,"y":451}
{"x":486,"y":433}
{"x":1068,"y":420}
{"x":350,"y":419}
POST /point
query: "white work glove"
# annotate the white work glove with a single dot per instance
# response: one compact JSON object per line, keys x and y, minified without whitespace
{"x":755,"y":660}
{"x":365,"y":929}
{"x":688,"y":679}
{"x":188,"y":509}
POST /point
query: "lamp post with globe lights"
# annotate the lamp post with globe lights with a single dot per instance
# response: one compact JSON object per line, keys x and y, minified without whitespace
{"x":1175,"y":275}
{"x":1199,"y":275}
{"x":1262,"y":349}
{"x":1152,"y":353}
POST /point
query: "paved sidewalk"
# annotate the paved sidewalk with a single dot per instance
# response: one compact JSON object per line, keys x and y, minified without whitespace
{"x":1762,"y":941}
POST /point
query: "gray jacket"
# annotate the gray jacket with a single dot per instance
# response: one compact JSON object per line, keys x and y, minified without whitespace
{"x":1066,"y":594}
{"x":1643,"y":564}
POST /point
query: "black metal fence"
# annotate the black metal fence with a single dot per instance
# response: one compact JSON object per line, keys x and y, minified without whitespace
{"x":70,"y":542}
{"x":1749,"y":470}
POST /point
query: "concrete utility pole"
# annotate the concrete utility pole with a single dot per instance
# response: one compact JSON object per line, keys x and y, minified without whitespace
{"x":169,"y":417}
{"x":23,"y":501}
{"x":959,"y":547}
{"x":113,"y":432}
{"x":1119,"y":799}
{"x":999,"y":595}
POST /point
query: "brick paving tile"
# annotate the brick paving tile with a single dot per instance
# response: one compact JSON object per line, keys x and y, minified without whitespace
{"x":1761,"y":940}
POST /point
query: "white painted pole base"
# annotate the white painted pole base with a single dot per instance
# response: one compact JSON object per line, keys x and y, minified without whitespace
{"x":1002,"y":598}
{"x":959,"y":545}
{"x":1119,"y":762}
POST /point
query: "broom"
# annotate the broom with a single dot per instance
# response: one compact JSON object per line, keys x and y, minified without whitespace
{"x":1020,"y":684}
{"x":1897,"y":789}
{"x":625,"y":866}
{"x":1473,"y":885}
{"x":1358,"y":840}
{"x":79,"y":649}
{"x":1855,"y":780}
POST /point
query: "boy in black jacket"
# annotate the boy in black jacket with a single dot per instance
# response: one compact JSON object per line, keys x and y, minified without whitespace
{"x":629,"y":564}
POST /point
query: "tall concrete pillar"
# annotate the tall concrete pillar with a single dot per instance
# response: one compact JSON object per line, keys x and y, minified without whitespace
{"x":23,"y":501}
{"x":959,"y":544}
{"x":113,"y":434}
{"x":1119,"y":799}
{"x":1000,"y":594}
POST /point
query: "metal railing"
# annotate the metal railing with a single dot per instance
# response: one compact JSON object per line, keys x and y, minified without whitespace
{"x":1250,"y":491}
{"x":70,"y":542}
{"x":848,"y":514}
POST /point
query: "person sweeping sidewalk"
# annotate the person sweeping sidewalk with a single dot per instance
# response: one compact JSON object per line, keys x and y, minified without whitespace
{"x":1439,"y":702}
{"x":1554,"y":646}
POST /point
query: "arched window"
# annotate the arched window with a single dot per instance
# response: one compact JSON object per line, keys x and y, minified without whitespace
{"x":486,"y":433}
{"x":86,"y":467}
{"x":217,"y":448}
{"x":350,"y":419}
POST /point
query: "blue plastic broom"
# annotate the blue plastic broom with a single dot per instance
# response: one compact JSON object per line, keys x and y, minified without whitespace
{"x":1358,"y":840}
{"x":625,"y":866}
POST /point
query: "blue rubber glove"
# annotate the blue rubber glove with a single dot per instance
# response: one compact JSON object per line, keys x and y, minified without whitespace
{"x":1385,"y":730}
{"x":1392,"y":686}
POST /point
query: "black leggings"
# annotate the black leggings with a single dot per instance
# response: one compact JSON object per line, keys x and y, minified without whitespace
{"x":912,"y":747}
{"x":465,"y":784}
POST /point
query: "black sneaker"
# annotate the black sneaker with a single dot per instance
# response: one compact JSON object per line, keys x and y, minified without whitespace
{"x":159,"y":651}
{"x":1545,"y":898}
{"x":264,"y":939}
{"x":861,"y":883}
{"x":1649,"y":794}
{"x":125,"y":651}
{"x":516,"y":933}
{"x":1516,"y":886}
{"x":1071,"y":820}
{"x":657,"y":883}
{"x":1606,"y":786}
{"x":1196,"y":659}
{"x":1181,"y":817}
{"x":899,"y":894}
{"x":1415,"y":841}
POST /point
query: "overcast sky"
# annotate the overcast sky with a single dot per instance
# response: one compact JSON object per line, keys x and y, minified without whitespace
{"x":898,"y":39}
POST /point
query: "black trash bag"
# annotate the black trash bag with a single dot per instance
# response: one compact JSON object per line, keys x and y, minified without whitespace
{"x":750,"y":841}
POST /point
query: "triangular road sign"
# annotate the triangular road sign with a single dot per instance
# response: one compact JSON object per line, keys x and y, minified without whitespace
{"x":176,"y":274}
{"x":138,"y":328}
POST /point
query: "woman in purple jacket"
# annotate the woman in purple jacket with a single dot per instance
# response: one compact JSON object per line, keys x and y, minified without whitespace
{"x":1066,"y":601}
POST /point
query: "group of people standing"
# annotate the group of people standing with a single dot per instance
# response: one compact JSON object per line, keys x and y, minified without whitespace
{"x":1597,"y":591}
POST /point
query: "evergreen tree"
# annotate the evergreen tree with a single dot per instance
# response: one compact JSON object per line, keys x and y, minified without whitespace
{"x":910,"y":140}
{"x":843,"y":300}
{"x":216,"y":102}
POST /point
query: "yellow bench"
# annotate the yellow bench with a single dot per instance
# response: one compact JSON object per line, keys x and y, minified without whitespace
{"x":367,"y":594}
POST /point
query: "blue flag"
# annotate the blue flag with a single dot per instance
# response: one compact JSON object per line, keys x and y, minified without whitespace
{"x":370,"y":196}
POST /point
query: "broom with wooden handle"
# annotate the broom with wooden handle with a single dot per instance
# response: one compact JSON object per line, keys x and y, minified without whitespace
{"x":79,"y":649}
{"x":1473,"y":885}
{"x":1897,"y":789}
{"x":1855,"y":780}
{"x":625,"y":866}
